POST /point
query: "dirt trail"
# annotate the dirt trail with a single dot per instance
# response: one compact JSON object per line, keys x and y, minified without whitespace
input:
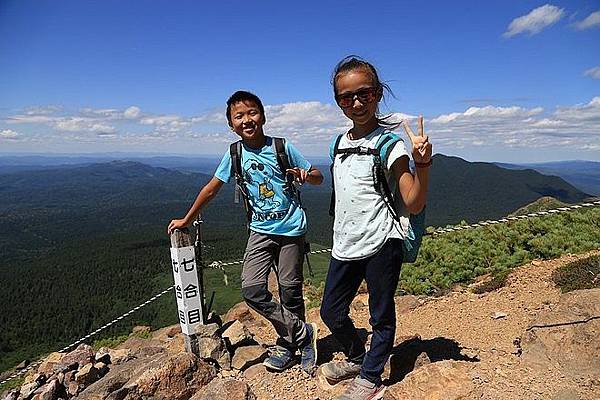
{"x":480,"y":329}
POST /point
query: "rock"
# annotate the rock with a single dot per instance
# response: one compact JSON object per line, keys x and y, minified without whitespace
{"x":225,"y":360}
{"x":175,"y":376}
{"x":239,"y":312}
{"x":211,"y":348}
{"x":117,"y":377}
{"x":28,"y":389}
{"x":87,"y":375}
{"x":77,"y":358}
{"x":407,"y":303}
{"x":47,"y":392}
{"x":47,"y":366}
{"x":103,"y":355}
{"x":229,"y":388}
{"x":73,"y":388}
{"x":422,"y":360}
{"x":22,"y":365}
{"x":141,"y":330}
{"x":247,"y":356}
{"x":235,"y":334}
{"x":120,"y":356}
{"x":561,"y":337}
{"x":447,"y":380}
{"x":12,"y":395}
{"x":210,"y":330}
{"x":255,"y":370}
{"x":498,"y":315}
{"x":102,"y":368}
{"x":171,"y":331}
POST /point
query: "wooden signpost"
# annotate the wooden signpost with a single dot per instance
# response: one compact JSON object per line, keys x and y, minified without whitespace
{"x":189,"y":290}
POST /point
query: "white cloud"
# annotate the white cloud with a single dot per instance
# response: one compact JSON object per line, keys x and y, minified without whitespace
{"x":593,"y":73}
{"x":535,"y":21}
{"x":518,"y":127}
{"x":307,"y":119}
{"x":132,"y":112}
{"x":590,"y":21}
{"x":311,"y":125}
{"x":42,"y":110}
{"x":77,"y":124}
{"x":8,"y":134}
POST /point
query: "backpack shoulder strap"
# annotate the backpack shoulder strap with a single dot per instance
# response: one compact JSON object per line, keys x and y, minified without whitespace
{"x":385,"y":144}
{"x":280,"y":153}
{"x":334,"y":147}
{"x":235,"y":151}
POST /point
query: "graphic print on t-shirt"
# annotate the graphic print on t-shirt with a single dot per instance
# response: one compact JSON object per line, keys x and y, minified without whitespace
{"x":259,"y":175}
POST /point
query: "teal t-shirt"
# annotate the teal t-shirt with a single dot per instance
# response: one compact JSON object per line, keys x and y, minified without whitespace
{"x":274,"y":211}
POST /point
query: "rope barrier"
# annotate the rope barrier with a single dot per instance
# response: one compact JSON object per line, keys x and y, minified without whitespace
{"x":220,"y":266}
{"x":89,"y":335}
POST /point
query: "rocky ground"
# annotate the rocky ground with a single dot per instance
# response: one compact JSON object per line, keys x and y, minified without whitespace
{"x":525,"y":340}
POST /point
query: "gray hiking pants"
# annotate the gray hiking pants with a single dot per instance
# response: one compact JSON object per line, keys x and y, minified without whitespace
{"x":286,"y":255}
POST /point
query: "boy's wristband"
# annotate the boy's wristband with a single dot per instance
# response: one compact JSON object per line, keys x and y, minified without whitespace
{"x":424,"y":164}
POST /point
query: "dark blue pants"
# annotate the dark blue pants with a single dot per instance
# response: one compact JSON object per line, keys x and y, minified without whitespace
{"x":381,"y":272}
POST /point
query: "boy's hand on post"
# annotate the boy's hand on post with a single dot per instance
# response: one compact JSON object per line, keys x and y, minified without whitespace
{"x":421,"y":148}
{"x":176,"y":224}
{"x":299,"y":174}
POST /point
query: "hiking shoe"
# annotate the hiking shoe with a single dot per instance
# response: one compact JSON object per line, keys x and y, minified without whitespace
{"x":362,"y":389}
{"x":279,"y":358}
{"x":337,"y":371}
{"x":309,"y":350}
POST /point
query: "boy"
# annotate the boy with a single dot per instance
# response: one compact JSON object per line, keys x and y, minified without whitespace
{"x":277,"y":227}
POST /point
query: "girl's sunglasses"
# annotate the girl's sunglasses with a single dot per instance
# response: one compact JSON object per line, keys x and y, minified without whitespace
{"x":365,"y":96}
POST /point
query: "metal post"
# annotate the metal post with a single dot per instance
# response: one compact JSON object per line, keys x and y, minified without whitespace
{"x":188,"y":290}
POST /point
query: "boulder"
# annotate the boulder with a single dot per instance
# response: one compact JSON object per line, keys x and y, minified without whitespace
{"x":87,"y":375}
{"x":567,"y":336}
{"x":247,"y":356}
{"x":177,"y":377}
{"x":229,"y":388}
{"x":443,"y":380}
{"x":235,"y":334}
{"x":47,"y":392}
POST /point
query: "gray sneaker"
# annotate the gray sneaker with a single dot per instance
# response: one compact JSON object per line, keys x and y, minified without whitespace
{"x":337,"y":371}
{"x":362,"y":389}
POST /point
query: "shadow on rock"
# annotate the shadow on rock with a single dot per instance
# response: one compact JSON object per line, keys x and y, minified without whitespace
{"x":328,"y":346}
{"x":414,"y":353}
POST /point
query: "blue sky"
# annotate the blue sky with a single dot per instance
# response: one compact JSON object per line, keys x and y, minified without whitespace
{"x":514,"y":81}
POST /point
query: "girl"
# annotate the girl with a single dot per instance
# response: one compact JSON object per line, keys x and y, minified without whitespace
{"x":368,"y":234}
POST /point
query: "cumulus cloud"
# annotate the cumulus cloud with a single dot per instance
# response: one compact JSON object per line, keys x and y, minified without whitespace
{"x":312,"y":124}
{"x":536,"y":21}
{"x":132,"y":112}
{"x":9,"y":134}
{"x":593,"y":73}
{"x":82,"y":125}
{"x":42,"y":110}
{"x":519,"y":127}
{"x":591,"y":21}
{"x":306,"y":121}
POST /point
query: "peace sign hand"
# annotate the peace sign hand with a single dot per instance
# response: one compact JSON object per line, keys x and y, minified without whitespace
{"x":421,"y":148}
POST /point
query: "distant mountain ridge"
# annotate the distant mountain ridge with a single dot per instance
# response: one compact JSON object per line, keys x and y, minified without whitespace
{"x":585,"y":175}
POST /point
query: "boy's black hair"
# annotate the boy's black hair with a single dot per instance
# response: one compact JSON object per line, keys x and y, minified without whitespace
{"x":241,"y":96}
{"x":353,"y":62}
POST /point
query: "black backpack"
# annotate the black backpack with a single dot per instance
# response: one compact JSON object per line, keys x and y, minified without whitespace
{"x":235,"y":151}
{"x":278,"y":144}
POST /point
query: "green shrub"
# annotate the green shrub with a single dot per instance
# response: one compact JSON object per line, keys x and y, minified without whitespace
{"x":580,"y":274}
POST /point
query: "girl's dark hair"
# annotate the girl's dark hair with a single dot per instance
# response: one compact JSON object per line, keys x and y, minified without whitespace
{"x":241,"y":96}
{"x":352,"y":63}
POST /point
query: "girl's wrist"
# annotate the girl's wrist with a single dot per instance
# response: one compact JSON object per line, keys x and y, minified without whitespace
{"x":424,"y":164}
